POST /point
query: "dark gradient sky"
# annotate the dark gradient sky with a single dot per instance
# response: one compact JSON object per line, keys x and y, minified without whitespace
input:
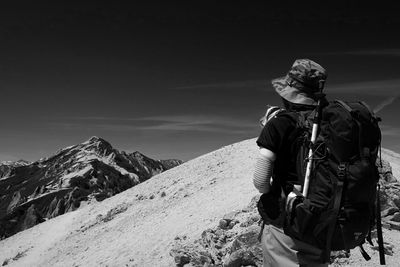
{"x":177,"y":81}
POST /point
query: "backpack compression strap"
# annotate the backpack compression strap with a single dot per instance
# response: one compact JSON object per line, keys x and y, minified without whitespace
{"x":378,"y":119}
{"x":336,"y":205}
{"x":354,"y":114}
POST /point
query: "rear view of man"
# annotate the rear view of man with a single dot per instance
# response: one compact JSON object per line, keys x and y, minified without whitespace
{"x":316,"y":171}
{"x":277,"y":160}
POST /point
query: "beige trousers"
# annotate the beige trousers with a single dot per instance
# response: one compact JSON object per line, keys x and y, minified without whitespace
{"x":282,"y":250}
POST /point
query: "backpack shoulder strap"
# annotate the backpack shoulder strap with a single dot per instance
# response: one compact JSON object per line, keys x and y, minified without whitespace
{"x":291,"y":115}
{"x":298,"y":117}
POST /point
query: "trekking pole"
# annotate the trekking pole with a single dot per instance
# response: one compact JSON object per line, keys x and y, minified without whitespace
{"x":314,"y":133}
{"x":379,"y":228}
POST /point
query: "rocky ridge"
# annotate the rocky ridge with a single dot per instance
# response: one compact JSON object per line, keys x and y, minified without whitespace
{"x":31,"y":193}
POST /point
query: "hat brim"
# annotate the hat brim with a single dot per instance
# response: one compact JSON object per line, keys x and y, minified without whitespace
{"x":290,"y":93}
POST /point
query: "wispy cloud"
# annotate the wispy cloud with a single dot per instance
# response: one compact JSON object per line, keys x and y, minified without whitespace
{"x":380,"y":87}
{"x":177,"y":123}
{"x":385,"y":103}
{"x":395,"y":52}
{"x":389,"y":130}
{"x":100,"y":118}
{"x":380,"y":52}
{"x":197,"y":123}
{"x":235,"y":84}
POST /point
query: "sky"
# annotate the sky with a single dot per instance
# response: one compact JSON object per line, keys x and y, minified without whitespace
{"x":178,"y":81}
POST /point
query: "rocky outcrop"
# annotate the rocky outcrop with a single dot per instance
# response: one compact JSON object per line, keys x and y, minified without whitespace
{"x":8,"y":167}
{"x":16,"y":200}
{"x":389,"y":197}
{"x":170,"y":163}
{"x":234,"y":241}
{"x":32,"y":217}
{"x":92,"y":171}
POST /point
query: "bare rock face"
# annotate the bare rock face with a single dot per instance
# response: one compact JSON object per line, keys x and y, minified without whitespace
{"x":16,"y":200}
{"x":170,"y":163}
{"x":8,"y":167}
{"x":91,"y":171}
{"x":60,"y":208}
{"x":237,"y":244}
{"x":32,"y":217}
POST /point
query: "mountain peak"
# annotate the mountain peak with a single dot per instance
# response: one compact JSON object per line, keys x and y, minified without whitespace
{"x":95,"y":139}
{"x":99,"y":145}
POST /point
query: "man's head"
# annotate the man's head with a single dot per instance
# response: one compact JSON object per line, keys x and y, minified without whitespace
{"x":302,"y":83}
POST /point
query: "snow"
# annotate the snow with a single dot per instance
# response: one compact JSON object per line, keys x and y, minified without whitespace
{"x":67,"y":148}
{"x":109,"y":161}
{"x":79,"y":173}
{"x":5,"y":177}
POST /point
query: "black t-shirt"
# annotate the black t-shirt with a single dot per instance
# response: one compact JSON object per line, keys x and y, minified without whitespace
{"x":279,"y":135}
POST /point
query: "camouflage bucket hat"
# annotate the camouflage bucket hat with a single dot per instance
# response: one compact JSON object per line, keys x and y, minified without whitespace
{"x":301,"y":83}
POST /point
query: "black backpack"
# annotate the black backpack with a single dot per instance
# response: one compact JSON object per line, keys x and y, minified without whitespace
{"x":340,"y":208}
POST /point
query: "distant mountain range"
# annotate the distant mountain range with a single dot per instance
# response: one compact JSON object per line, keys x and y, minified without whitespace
{"x":32,"y":192}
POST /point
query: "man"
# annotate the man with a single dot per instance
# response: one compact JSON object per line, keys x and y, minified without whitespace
{"x":276,"y":165}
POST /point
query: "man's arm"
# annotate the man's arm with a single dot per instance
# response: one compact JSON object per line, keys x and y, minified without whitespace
{"x":263,"y":170}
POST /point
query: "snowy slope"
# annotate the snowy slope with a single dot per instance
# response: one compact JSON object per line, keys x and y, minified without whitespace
{"x":138,"y":226}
